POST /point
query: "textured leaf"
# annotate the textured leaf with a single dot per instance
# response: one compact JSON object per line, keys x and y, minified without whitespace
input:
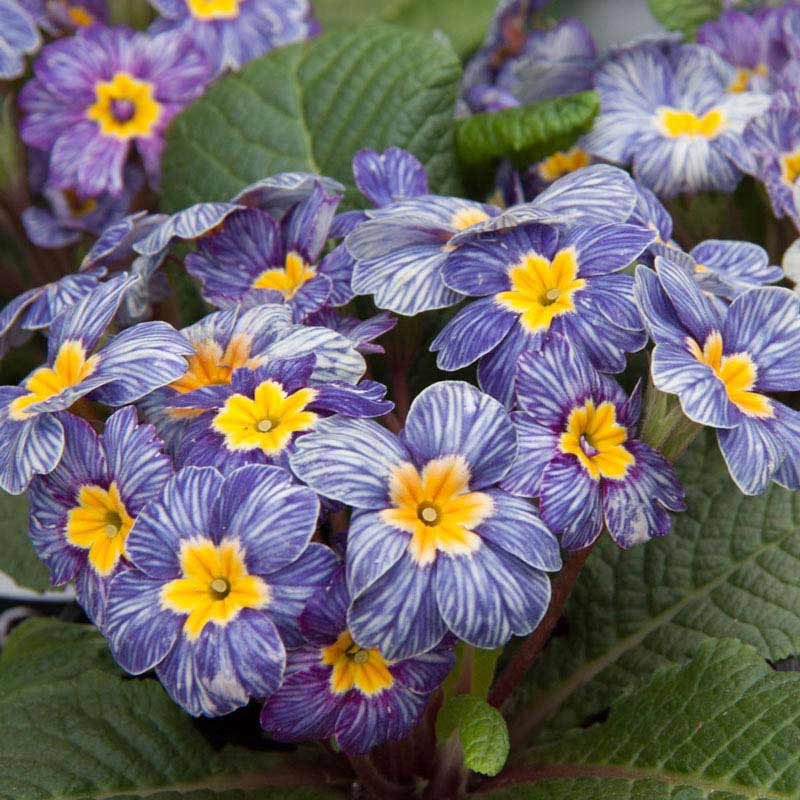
{"x":82,"y":730}
{"x":311,"y":107}
{"x":17,"y":556}
{"x":12,"y":152}
{"x":724,"y":726}
{"x":525,"y":134}
{"x":684,"y":15}
{"x":481,"y":730}
{"x":729,"y":568}
{"x":465,"y":29}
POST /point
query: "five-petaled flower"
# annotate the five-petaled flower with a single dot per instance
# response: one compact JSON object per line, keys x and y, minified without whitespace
{"x":130,"y":365}
{"x":722,"y":362}
{"x":434,"y":546}
{"x":82,"y":512}
{"x":222,"y":568}
{"x":578,"y":453}
{"x":537,"y":283}
{"x":335,"y":687}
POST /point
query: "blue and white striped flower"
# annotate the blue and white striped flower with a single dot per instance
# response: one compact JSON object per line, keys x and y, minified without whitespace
{"x":672,"y":116}
{"x":82,"y":512}
{"x":234,"y":32}
{"x":256,"y":418}
{"x":19,"y":37}
{"x":127,"y":367}
{"x":723,"y":268}
{"x":335,"y":688}
{"x":222,"y":568}
{"x":773,"y":156}
{"x":578,"y":453}
{"x":537,"y":283}
{"x":252,"y":258}
{"x":723,"y":363}
{"x":434,"y":546}
{"x":227,"y":340}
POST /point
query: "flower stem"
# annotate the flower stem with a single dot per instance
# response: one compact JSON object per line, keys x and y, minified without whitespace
{"x":375,"y":784}
{"x":532,"y":646}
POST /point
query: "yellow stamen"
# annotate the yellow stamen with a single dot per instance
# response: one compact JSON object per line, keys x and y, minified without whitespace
{"x":125,"y":107}
{"x":354,"y":666}
{"x":80,"y":17}
{"x":596,"y":438}
{"x":289,"y":279}
{"x":467,"y":217}
{"x":542,"y":290}
{"x":267,"y":422}
{"x":790,"y":167}
{"x":70,"y":368}
{"x":100,"y":523}
{"x":214,"y":9}
{"x":437,"y":508}
{"x":562,"y":163}
{"x":675,"y":123}
{"x":215,"y":586}
{"x":737,"y":372}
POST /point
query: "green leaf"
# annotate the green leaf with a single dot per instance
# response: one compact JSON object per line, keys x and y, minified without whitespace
{"x":481,"y":730}
{"x":82,"y":730}
{"x":42,"y":651}
{"x":728,"y":568}
{"x":685,"y":15}
{"x":525,"y":134}
{"x":17,"y":556}
{"x":465,"y":29}
{"x":310,"y":107}
{"x":724,"y":726}
{"x":12,"y":152}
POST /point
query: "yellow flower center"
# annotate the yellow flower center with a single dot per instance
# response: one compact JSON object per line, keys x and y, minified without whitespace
{"x":100,"y":523}
{"x":790,"y":167}
{"x":214,"y":9}
{"x":467,"y":217}
{"x":742,"y":80}
{"x":437,"y":508}
{"x":268,"y":421}
{"x":210,"y":366}
{"x":288,"y":280}
{"x":561,"y":163}
{"x":215,"y":586}
{"x":354,"y":666}
{"x":542,"y":290}
{"x":79,"y":206}
{"x":80,"y":17}
{"x":596,"y":438}
{"x":737,"y":373}
{"x":70,"y":368}
{"x":124,"y":107}
{"x":675,"y":123}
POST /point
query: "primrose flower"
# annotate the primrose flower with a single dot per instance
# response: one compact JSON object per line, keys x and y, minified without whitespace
{"x":773,"y":143}
{"x":36,"y":308}
{"x":99,"y":93}
{"x":578,"y":453}
{"x":258,"y":415}
{"x":433,"y":545}
{"x":724,"y":268}
{"x":226,"y":340}
{"x":237,"y":31}
{"x":222,"y":568}
{"x":752,"y":43}
{"x":537,"y":283}
{"x":252,"y":258}
{"x":66,"y":16}
{"x":649,"y":212}
{"x":129,"y":366}
{"x":82,"y":512}
{"x":673,"y":117}
{"x":722,"y":362}
{"x":334,"y":687}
